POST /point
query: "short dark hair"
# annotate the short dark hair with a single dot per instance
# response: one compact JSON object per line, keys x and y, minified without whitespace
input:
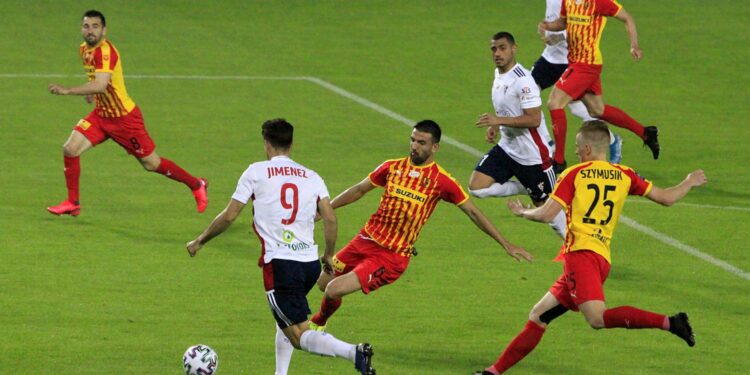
{"x":95,"y":13}
{"x":506,"y":35}
{"x":429,"y":126}
{"x":278,"y":132}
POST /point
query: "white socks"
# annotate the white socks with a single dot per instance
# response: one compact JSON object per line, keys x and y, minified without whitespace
{"x":284,"y":350}
{"x":559,"y":224}
{"x":323,"y":343}
{"x":512,"y":187}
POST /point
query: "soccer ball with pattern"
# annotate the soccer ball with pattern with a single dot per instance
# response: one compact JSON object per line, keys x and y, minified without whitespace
{"x":200,"y":360}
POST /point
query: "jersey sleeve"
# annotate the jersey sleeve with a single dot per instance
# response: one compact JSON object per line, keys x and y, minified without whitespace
{"x":528,"y":92}
{"x":608,"y":8}
{"x":322,"y":188}
{"x":379,"y":176}
{"x":451,"y":191}
{"x":638,"y":185}
{"x":105,"y":59}
{"x":244,"y":191}
{"x":565,"y":188}
{"x":563,"y":9}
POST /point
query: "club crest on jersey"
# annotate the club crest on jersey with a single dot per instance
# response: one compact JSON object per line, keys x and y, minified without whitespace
{"x":425,"y":182}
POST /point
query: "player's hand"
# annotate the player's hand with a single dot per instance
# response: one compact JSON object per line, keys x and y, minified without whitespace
{"x":327,"y":262}
{"x":541,"y":28}
{"x":697,"y":178}
{"x":57,"y":89}
{"x":487,"y":119}
{"x":516,"y":207}
{"x":89,"y":99}
{"x":519,"y":253}
{"x":193,"y":247}
{"x":636,"y":52}
{"x":491,"y":134}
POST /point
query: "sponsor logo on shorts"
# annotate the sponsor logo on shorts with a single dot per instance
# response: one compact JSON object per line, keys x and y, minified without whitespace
{"x":83,"y":124}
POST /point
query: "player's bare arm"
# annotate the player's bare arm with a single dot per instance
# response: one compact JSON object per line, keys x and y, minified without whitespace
{"x":669,"y":196}
{"x":483,"y":223}
{"x":96,"y":86}
{"x":221,"y":222}
{"x":531,"y":118}
{"x":544,"y":213}
{"x":629,"y":21}
{"x":330,"y":228}
{"x":557,"y":25}
{"x":353,"y":193}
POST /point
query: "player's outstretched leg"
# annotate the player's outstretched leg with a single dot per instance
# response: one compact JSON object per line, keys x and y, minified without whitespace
{"x":168,"y":168}
{"x":679,"y":325}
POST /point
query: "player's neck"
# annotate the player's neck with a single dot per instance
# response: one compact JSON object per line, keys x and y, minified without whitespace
{"x":272,"y":153}
{"x":507,"y":67}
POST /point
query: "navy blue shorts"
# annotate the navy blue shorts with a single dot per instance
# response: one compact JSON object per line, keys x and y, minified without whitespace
{"x":545,"y":73}
{"x":501,"y":167}
{"x":287,"y":283}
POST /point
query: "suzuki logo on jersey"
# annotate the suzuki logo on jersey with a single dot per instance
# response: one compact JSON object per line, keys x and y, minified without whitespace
{"x":407,"y":194}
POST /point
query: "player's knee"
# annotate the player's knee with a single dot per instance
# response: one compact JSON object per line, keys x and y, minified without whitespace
{"x":295,"y":340}
{"x":479,"y":193}
{"x":596,"y":322}
{"x":149,"y":164}
{"x":70,"y":151}
{"x":332,"y":291}
{"x":595,"y":111}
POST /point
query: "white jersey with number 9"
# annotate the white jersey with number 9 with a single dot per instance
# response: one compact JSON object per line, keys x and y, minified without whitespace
{"x":285,"y":198}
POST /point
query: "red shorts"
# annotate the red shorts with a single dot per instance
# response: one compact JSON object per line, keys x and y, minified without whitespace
{"x":128,"y":131}
{"x":374,"y":265}
{"x":584,"y":274}
{"x":580,"y":79}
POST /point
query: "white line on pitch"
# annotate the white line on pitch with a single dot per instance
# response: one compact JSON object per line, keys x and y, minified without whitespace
{"x":712,"y":206}
{"x":626,"y":220}
{"x":470,"y":150}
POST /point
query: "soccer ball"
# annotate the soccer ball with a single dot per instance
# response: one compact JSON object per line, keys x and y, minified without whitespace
{"x":200,"y":360}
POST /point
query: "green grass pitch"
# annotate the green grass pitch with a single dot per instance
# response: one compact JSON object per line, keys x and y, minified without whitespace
{"x":114,"y":292}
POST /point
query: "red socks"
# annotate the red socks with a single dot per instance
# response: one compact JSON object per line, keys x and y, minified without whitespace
{"x":327,"y":308}
{"x":632,"y":318}
{"x":173,"y":171}
{"x":617,"y":117}
{"x":72,"y":176}
{"x":559,"y":130}
{"x":520,"y":347}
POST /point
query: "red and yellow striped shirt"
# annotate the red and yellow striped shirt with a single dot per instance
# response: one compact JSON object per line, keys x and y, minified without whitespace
{"x":104,"y":58}
{"x":593,"y":194}
{"x":411,"y":194}
{"x":586,"y":20}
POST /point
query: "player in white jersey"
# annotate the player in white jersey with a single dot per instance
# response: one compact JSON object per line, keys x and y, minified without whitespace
{"x":522,"y":150}
{"x":551,"y":65}
{"x":286,"y":197}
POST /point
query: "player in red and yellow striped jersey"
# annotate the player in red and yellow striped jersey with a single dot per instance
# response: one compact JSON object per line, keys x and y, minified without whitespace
{"x":380,"y":252}
{"x":584,"y":21}
{"x":115,"y":116}
{"x":592,"y":193}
